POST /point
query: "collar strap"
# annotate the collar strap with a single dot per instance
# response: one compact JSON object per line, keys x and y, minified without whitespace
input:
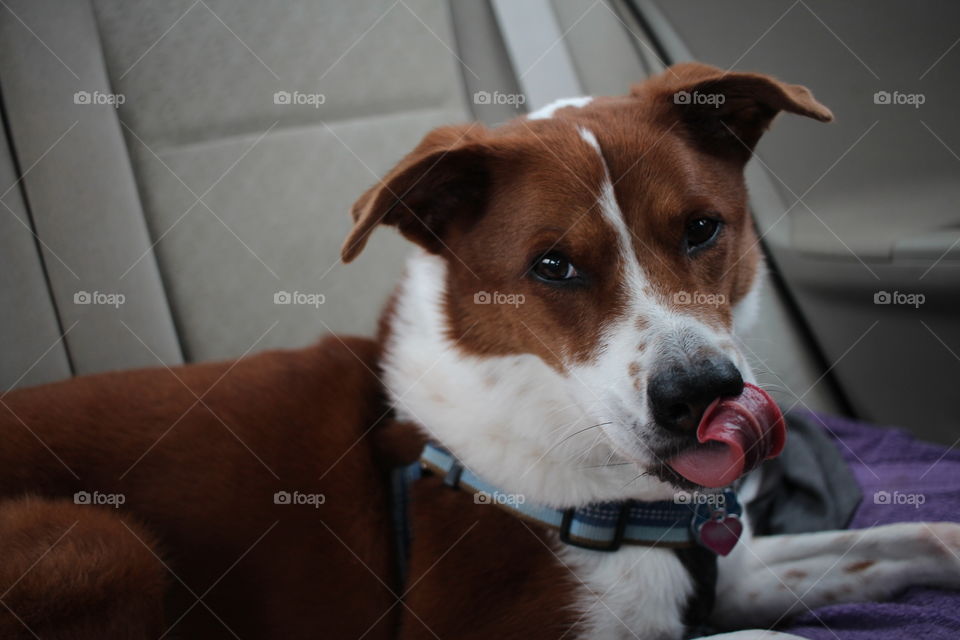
{"x":708,"y":520}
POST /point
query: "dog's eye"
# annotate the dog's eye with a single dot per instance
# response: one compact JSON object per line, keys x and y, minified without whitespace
{"x":554,"y":267}
{"x":700,"y":232}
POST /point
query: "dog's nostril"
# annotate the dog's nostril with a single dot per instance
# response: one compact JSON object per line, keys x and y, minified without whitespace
{"x":678,"y":395}
{"x":678,"y":411}
{"x":682,"y":417}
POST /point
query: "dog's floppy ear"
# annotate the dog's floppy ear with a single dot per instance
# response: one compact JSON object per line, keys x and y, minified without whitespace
{"x":727,"y":112}
{"x":444,"y":178}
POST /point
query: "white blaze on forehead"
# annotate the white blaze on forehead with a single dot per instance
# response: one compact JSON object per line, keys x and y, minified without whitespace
{"x":591,"y":140}
{"x":605,"y":379}
{"x":616,"y":393}
{"x":608,"y":201}
{"x":547,"y":111}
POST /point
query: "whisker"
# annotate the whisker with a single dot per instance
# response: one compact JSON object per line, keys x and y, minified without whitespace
{"x":594,"y":426}
{"x":635,"y":478}
{"x":608,"y":464}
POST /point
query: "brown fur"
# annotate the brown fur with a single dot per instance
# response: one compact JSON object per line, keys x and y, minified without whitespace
{"x":207,"y":498}
{"x":77,"y":571}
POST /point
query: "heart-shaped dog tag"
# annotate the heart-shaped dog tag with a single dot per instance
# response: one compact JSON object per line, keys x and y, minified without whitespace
{"x":720,"y":533}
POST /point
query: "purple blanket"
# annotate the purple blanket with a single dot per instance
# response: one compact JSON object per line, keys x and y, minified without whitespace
{"x":903,"y":479}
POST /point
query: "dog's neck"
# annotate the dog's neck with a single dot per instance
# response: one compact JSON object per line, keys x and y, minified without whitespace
{"x":510,"y":419}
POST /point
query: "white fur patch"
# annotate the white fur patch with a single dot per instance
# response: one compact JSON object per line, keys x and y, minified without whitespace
{"x":527,"y":440}
{"x":634,"y":592}
{"x":548,"y":111}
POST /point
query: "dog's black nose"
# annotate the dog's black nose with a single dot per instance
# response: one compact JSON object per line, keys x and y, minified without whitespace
{"x":679,"y":393}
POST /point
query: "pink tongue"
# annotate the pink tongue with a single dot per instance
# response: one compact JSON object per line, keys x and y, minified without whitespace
{"x":736,"y":435}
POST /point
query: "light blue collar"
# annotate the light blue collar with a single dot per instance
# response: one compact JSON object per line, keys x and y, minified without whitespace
{"x":709,"y":520}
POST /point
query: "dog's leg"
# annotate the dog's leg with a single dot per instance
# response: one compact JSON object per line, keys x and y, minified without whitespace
{"x":769,"y":578}
{"x":77,"y":572}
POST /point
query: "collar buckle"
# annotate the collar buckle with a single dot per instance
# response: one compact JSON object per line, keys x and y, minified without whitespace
{"x":618,"y":533}
{"x":452,"y":479}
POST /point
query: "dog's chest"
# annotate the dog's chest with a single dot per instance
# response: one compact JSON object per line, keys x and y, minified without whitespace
{"x":635,"y":592}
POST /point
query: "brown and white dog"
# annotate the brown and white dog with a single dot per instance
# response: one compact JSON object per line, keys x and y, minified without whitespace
{"x":617,"y":231}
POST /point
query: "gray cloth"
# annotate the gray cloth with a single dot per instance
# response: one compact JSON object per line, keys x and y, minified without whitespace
{"x":808,"y":488}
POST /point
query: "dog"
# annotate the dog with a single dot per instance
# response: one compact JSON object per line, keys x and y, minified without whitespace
{"x":563,"y":337}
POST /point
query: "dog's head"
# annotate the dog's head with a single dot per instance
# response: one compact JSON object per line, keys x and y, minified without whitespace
{"x":588,"y":261}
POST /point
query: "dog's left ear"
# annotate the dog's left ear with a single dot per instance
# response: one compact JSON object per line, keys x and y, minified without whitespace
{"x":444,"y":179}
{"x":728,"y":112}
